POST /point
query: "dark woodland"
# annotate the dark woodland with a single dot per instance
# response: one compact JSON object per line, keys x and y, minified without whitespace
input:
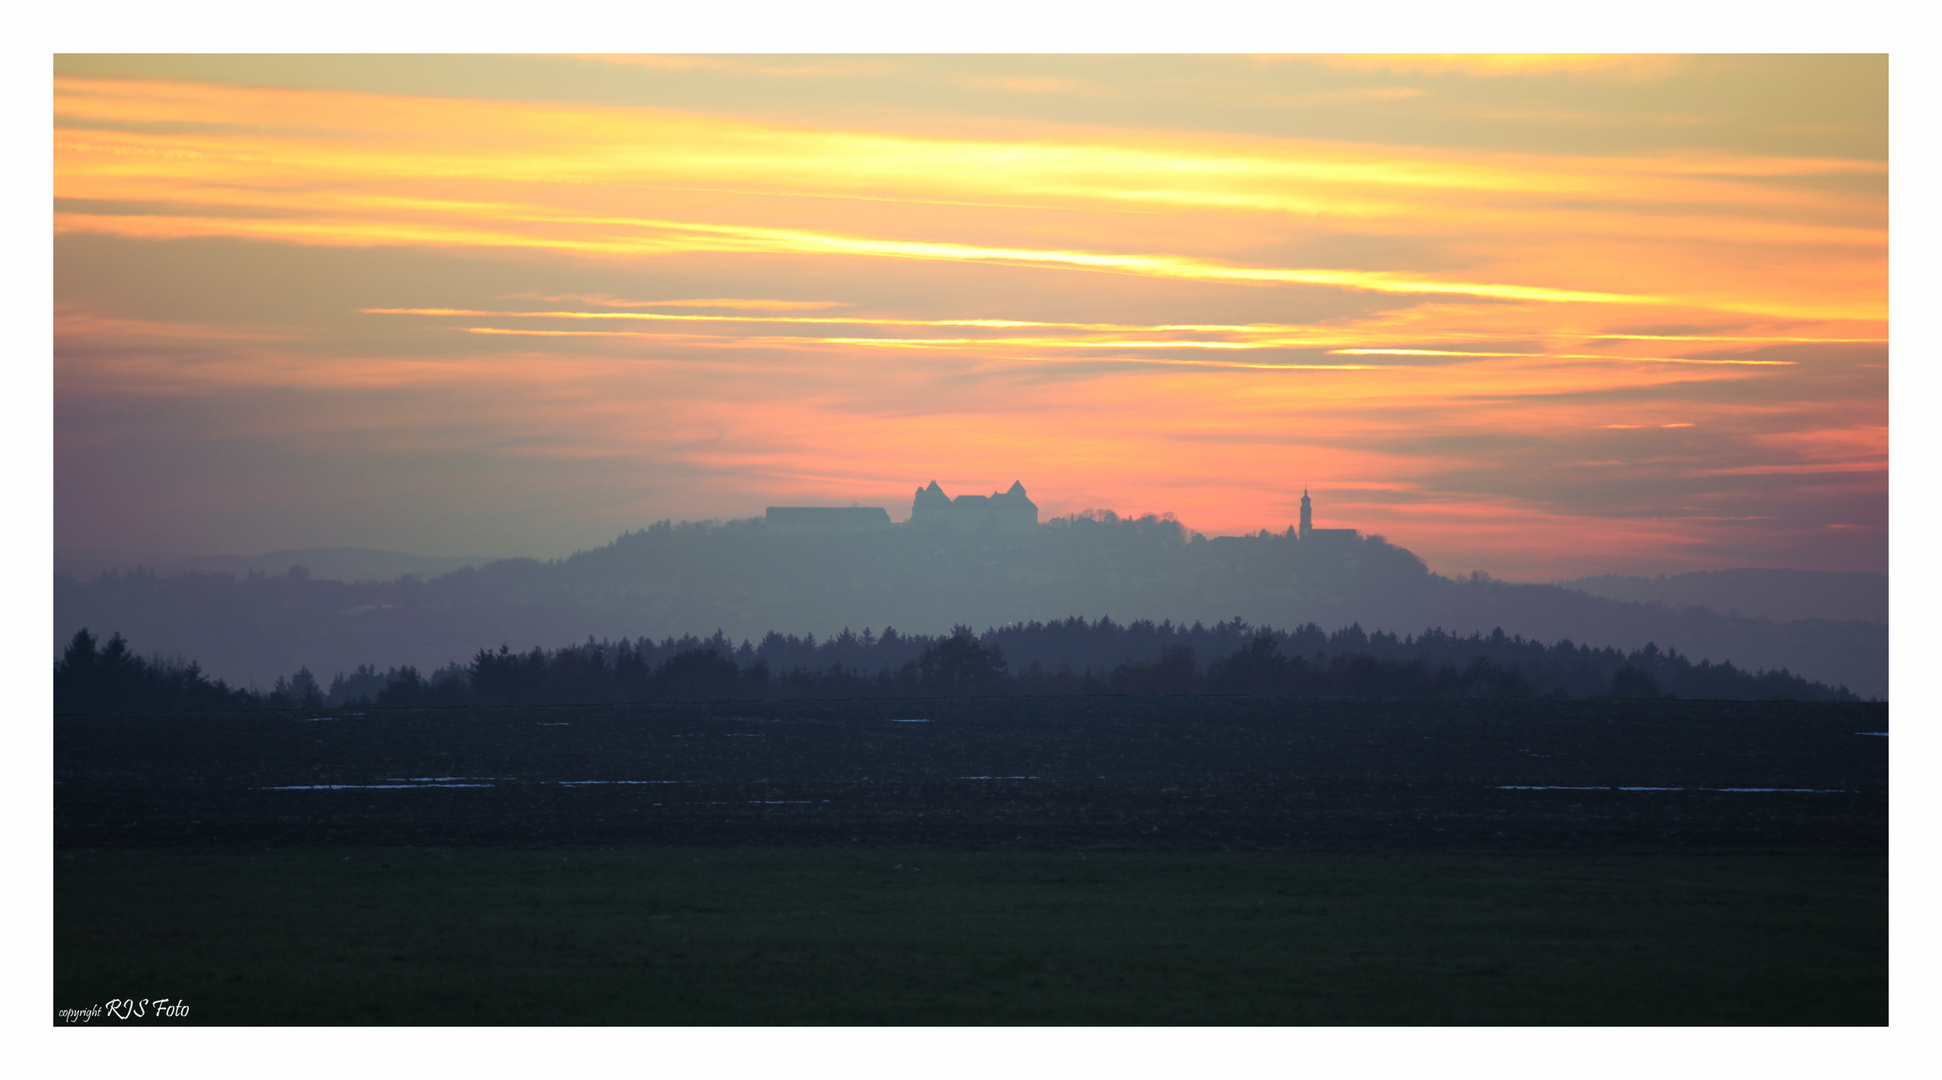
{"x":1068,"y":657}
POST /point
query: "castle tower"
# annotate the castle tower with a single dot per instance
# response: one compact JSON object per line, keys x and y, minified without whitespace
{"x":931,"y":506}
{"x":1005,"y":511}
{"x":1321,"y":536}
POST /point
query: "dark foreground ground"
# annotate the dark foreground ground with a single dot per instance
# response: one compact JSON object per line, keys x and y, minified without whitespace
{"x":1110,"y":860}
{"x":893,"y":936}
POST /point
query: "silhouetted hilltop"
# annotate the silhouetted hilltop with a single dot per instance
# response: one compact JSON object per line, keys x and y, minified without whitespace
{"x":1780,"y":595}
{"x":746,"y":579}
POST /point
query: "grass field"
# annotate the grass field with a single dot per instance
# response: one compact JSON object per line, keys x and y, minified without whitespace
{"x":884,"y":935}
{"x":1184,"y":774}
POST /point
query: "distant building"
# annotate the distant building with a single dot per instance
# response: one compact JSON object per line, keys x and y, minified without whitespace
{"x":841,"y":519}
{"x":1310,"y":532}
{"x":1009,"y":511}
{"x":1001,"y":511}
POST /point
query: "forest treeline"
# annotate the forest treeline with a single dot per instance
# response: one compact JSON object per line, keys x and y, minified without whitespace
{"x":90,"y":677}
{"x":1063,"y":657}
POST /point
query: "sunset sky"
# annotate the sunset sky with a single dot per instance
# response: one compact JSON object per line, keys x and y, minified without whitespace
{"x":1538,"y":316}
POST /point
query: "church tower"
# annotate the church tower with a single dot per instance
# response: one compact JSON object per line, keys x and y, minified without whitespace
{"x":1307,"y":515}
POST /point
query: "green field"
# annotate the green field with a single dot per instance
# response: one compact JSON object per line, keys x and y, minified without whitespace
{"x":864,"y":935}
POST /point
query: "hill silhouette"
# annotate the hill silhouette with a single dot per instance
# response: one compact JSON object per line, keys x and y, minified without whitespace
{"x":745,"y":580}
{"x":1780,"y":595}
{"x":337,"y":564}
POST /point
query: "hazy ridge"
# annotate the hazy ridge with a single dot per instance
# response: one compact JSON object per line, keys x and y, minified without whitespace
{"x":1780,"y":595}
{"x":745,"y":580}
{"x":335,"y":564}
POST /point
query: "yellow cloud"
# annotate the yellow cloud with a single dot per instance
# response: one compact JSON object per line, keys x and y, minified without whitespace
{"x":1033,"y":85}
{"x":727,"y":302}
{"x":324,"y":167}
{"x":1611,"y":357}
{"x":1494,"y":64}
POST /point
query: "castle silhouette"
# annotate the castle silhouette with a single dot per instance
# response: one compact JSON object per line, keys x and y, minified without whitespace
{"x":1009,"y":511}
{"x":1003,"y":511}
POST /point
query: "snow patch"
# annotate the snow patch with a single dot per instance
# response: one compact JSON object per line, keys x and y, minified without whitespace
{"x":362,"y":787}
